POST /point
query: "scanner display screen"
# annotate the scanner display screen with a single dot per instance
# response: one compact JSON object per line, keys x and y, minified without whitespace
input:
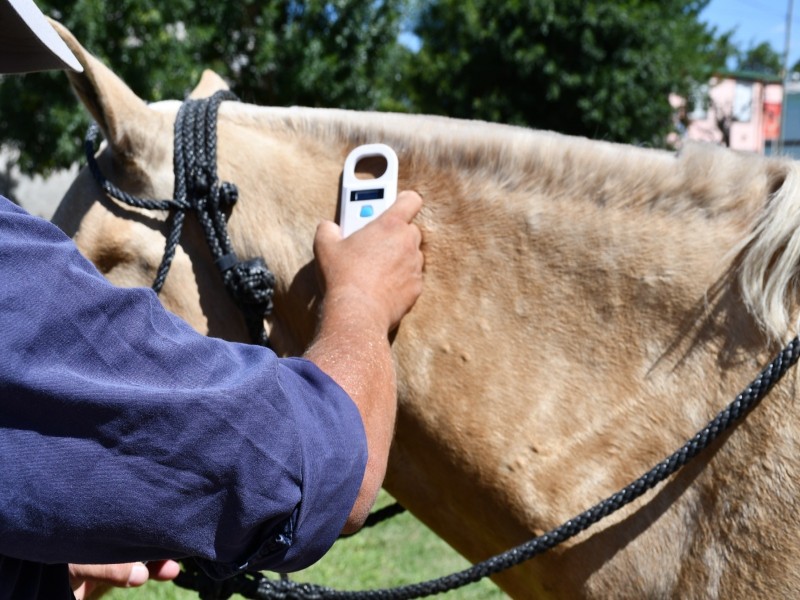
{"x":361,"y":195}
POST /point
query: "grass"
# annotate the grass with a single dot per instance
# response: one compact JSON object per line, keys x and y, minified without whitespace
{"x":397,"y":552}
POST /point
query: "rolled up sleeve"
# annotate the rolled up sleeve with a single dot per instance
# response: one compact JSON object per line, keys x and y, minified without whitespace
{"x":125,"y":435}
{"x":330,"y":439}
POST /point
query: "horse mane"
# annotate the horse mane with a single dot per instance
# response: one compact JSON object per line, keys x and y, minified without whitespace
{"x":768,"y":271}
{"x":761,"y":194}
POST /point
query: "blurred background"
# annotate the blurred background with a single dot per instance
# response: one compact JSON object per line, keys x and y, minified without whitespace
{"x":643,"y":72}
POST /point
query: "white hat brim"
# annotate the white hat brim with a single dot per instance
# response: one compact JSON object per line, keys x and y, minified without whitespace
{"x":28,"y":42}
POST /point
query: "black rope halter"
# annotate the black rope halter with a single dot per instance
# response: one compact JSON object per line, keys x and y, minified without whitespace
{"x":249,"y":282}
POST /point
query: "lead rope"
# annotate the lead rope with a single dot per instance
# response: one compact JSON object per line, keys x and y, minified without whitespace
{"x":258,"y":587}
{"x":197,"y":187}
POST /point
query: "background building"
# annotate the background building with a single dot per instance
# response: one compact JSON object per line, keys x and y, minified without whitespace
{"x":740,"y":110}
{"x":791,"y":123}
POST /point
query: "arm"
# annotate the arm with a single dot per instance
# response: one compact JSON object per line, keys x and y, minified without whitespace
{"x":361,"y":306}
{"x":126,"y":436}
{"x":220,"y":451}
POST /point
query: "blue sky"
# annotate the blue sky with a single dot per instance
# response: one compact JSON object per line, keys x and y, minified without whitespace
{"x":757,"y":21}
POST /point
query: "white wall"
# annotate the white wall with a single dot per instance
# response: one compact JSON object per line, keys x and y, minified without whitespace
{"x":39,"y":196}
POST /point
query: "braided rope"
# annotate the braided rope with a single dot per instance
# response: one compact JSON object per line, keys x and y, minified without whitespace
{"x":197,"y":188}
{"x":258,"y":587}
{"x":384,"y":514}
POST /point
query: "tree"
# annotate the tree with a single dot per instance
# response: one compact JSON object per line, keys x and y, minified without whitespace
{"x":584,"y":67}
{"x":760,"y":59}
{"x":340,"y":53}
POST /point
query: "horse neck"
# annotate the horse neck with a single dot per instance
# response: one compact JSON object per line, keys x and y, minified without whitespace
{"x":289,"y":181}
{"x":590,"y":280}
{"x":580,"y":317}
{"x":627,"y":234}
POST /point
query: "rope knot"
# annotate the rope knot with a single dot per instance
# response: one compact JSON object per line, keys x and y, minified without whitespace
{"x":228,"y":193}
{"x":201,"y":181}
{"x":252,"y":284}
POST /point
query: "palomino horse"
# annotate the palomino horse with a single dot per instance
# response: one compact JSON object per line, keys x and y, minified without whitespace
{"x":587,"y":307}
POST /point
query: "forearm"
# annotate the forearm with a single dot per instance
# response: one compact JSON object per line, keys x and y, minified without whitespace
{"x":364,"y":301}
{"x":356,"y":354}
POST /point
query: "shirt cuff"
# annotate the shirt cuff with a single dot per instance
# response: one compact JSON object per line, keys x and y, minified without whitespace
{"x":333,"y":447}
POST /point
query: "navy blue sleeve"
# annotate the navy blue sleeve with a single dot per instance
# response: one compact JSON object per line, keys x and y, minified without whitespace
{"x":125,"y":435}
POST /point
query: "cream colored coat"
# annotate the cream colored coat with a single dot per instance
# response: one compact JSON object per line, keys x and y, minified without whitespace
{"x":587,"y":307}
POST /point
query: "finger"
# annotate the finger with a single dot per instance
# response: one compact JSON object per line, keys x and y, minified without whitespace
{"x":139,"y":574}
{"x":163,"y":570}
{"x":407,"y":205}
{"x":120,"y":575}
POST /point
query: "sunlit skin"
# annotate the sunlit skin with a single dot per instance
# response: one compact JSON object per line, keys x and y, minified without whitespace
{"x":92,"y":581}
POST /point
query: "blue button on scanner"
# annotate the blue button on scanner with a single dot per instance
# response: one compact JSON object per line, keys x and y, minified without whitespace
{"x":366,"y":211}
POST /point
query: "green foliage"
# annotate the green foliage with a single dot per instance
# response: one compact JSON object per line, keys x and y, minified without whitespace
{"x":760,"y":59}
{"x":340,"y":53}
{"x":586,"y":67}
{"x":583,"y":67}
{"x":723,"y":52}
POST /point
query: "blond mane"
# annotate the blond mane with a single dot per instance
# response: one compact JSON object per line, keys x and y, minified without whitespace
{"x":769,"y":267}
{"x":703,"y":180}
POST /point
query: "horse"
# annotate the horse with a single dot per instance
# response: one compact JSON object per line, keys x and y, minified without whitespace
{"x":587,"y":306}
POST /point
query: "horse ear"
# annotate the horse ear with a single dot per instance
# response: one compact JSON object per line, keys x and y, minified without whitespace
{"x":112,"y":103}
{"x":210,"y":82}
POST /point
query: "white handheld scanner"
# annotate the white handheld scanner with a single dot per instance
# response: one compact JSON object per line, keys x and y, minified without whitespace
{"x":364,"y":199}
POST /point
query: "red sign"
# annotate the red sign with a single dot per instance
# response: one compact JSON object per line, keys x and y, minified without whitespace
{"x":772,"y":120}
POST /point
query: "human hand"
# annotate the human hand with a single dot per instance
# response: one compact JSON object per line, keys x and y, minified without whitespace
{"x":377,"y":269}
{"x":92,"y":581}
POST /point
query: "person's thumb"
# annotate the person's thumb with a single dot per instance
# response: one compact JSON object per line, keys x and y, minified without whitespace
{"x":328,"y":233}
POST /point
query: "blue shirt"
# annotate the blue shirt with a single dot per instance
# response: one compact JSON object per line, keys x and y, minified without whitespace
{"x":125,"y":435}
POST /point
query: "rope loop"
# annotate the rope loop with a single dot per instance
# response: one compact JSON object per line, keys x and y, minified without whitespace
{"x":192,"y":577}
